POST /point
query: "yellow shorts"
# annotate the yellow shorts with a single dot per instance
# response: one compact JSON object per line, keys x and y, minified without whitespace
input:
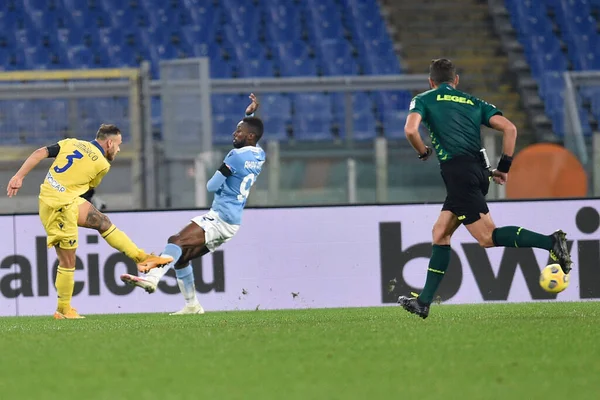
{"x":61,"y":224}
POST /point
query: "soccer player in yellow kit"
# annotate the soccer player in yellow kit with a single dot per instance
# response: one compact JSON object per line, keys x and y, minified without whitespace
{"x":78,"y":166}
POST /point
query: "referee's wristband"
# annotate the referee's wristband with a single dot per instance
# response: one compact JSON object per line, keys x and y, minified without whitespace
{"x":427,"y":153}
{"x":504,"y":163}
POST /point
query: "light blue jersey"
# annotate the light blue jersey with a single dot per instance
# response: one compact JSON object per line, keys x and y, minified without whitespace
{"x":230,"y":198}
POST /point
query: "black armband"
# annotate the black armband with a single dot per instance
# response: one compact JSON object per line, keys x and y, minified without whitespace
{"x":53,"y":150}
{"x":504,"y":163}
{"x":224,"y":169}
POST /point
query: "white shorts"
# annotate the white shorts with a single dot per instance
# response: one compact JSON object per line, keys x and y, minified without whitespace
{"x":216,"y":231}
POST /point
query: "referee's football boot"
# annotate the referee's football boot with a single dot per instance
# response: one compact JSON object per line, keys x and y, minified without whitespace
{"x":560,"y":251}
{"x":414,"y":305}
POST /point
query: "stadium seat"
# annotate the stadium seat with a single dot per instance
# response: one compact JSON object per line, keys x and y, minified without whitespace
{"x":393,"y":124}
{"x":364,"y":126}
{"x":264,"y":39}
{"x":312,"y":127}
{"x":276,"y":106}
{"x":275,"y":127}
{"x":576,"y":28}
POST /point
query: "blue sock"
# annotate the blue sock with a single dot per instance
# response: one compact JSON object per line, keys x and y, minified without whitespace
{"x":170,"y":250}
{"x":185,"y":280}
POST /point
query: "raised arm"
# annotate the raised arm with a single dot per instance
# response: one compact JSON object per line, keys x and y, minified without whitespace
{"x":253,"y":106}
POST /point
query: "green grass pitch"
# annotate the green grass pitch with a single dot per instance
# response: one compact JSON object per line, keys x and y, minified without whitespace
{"x":491,"y":351}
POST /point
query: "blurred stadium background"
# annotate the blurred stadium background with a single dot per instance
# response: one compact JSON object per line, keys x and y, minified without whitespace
{"x":334,"y":77}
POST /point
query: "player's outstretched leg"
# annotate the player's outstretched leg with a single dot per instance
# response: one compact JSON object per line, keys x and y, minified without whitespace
{"x":90,"y":217}
{"x":488,"y":235}
{"x":149,"y":281}
{"x":182,"y":248}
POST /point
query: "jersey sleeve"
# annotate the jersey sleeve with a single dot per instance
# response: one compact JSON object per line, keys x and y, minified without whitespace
{"x":234,"y":162}
{"x":417,"y":105}
{"x":98,"y":178}
{"x":488,"y":111}
{"x":63,"y":143}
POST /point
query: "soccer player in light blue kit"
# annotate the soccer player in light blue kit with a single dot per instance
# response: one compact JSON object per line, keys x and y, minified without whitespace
{"x":231,"y":185}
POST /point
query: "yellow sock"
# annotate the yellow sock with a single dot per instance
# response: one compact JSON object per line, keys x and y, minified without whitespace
{"x":120,"y":241}
{"x":65,"y":281}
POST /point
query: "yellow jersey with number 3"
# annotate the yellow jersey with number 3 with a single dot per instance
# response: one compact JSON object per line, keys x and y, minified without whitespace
{"x":78,"y":166}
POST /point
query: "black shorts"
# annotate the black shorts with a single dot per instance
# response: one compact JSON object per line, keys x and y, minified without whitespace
{"x":467,"y":183}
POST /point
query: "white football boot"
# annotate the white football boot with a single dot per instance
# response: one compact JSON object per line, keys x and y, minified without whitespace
{"x":147,"y":284}
{"x":195,"y":308}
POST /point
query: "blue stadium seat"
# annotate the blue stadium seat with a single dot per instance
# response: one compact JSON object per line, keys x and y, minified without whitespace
{"x":223,"y":127}
{"x":36,"y":58}
{"x":337,"y":57}
{"x":75,"y":5}
{"x":80,"y":57}
{"x":292,"y":49}
{"x":227,"y":104}
{"x":47,"y":21}
{"x":247,"y":50}
{"x":324,"y":29}
{"x":220,"y":69}
{"x":255,"y":67}
{"x":83,"y":19}
{"x":364,"y":126}
{"x":194,"y":34}
{"x":312,"y":103}
{"x":276,"y":106}
{"x":302,"y":38}
{"x":120,"y":19}
{"x":35,"y":5}
{"x":275,"y":127}
{"x":297,"y":66}
{"x":26,"y":38}
{"x":8,"y":21}
{"x":391,"y":101}
{"x":393,"y":124}
{"x":577,"y":29}
{"x":110,"y":37}
{"x":312,"y":127}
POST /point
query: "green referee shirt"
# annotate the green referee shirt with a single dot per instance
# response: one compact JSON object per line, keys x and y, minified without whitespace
{"x":454,"y":120}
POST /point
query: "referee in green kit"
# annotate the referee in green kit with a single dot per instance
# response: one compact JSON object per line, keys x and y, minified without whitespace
{"x":454,"y":119}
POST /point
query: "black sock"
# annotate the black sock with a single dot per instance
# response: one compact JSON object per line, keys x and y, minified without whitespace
{"x":438,"y":264}
{"x":514,"y":236}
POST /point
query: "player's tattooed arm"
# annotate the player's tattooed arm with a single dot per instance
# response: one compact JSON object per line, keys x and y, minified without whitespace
{"x":96,"y":220}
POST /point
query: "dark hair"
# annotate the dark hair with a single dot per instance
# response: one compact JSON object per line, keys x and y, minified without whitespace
{"x":442,"y":70}
{"x":256,"y":126}
{"x":107,"y":130}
